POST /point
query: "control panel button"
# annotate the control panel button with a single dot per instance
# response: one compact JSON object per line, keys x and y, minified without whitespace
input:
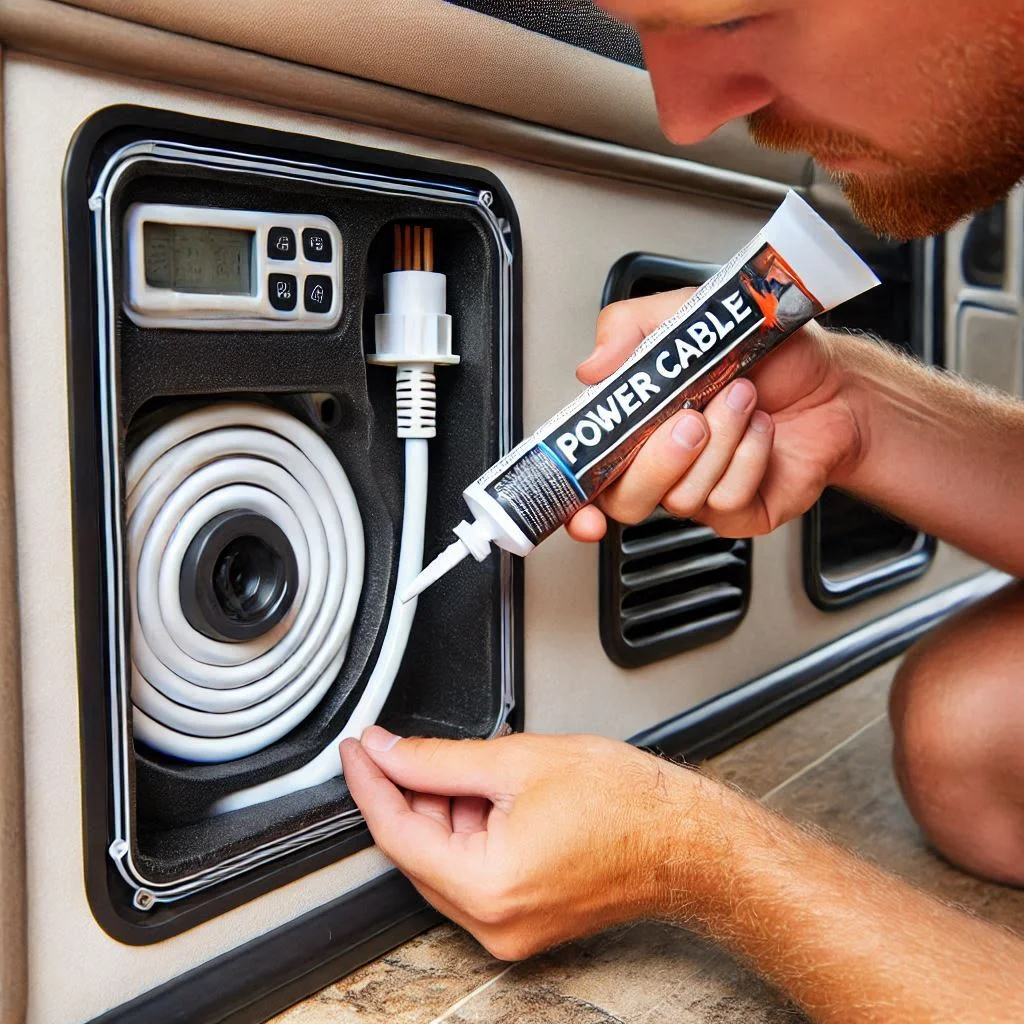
{"x":282,"y":289}
{"x":281,"y":244}
{"x":318,"y":294}
{"x":316,"y":245}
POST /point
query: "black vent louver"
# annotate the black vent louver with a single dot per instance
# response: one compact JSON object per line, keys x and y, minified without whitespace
{"x":667,"y":586}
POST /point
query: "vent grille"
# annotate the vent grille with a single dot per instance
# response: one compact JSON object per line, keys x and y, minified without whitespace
{"x":669,"y":585}
{"x":853,"y":552}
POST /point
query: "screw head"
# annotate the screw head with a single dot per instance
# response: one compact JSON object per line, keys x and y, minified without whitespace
{"x":144,"y":899}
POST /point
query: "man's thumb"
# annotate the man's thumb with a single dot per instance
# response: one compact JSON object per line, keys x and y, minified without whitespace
{"x":444,"y":767}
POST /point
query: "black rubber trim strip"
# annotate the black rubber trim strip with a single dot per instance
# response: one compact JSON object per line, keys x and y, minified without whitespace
{"x":271,"y":973}
{"x":725,"y":720}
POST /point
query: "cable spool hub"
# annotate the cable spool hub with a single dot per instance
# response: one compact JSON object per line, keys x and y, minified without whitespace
{"x":239,"y":577}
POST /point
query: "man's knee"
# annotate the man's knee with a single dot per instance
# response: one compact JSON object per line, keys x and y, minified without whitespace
{"x":943,"y":746}
{"x":957,"y":710}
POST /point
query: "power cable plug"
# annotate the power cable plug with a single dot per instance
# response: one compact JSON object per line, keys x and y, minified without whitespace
{"x":414,"y":333}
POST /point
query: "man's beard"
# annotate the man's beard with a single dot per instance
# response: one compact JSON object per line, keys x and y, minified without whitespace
{"x":969,"y":168}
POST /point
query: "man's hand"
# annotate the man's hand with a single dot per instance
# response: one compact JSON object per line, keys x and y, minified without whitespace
{"x":761,"y":453}
{"x":526,"y":841}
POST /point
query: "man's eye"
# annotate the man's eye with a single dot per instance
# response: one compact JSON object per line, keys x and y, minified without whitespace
{"x":733,"y":25}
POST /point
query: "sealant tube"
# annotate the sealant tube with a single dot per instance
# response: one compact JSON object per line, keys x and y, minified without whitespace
{"x":794,"y":269}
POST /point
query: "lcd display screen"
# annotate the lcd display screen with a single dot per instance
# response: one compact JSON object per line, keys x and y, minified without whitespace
{"x":194,"y":258}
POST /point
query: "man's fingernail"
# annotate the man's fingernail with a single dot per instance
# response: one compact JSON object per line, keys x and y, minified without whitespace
{"x":761,"y":422}
{"x":690,"y":431}
{"x":741,"y":394}
{"x":379,"y":739}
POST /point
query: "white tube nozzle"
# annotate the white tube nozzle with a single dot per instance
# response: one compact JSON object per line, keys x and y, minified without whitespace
{"x":474,"y":539}
{"x":448,"y":559}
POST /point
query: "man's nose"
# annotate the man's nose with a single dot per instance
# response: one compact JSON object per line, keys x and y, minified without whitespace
{"x":700,"y":82}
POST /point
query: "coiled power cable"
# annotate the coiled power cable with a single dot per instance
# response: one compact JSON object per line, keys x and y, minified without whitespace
{"x":204,"y":695}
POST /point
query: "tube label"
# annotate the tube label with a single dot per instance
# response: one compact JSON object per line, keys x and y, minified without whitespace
{"x":745,"y":311}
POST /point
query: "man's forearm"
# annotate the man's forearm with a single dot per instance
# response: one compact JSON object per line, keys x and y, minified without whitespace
{"x":850,"y":944}
{"x":937,"y":452}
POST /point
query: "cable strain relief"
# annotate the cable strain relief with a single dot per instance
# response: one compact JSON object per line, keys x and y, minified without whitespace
{"x":416,"y":401}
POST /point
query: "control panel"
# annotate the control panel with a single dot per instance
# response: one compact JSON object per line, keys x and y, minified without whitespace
{"x":208,"y":269}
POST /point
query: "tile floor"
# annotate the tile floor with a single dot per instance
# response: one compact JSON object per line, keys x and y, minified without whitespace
{"x":827,"y":765}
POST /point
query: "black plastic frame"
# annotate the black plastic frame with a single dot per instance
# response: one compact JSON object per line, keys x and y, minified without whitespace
{"x":824,"y":592}
{"x":830,"y":595}
{"x":992,"y":277}
{"x":620,"y":284}
{"x":96,"y":140}
{"x":635,"y":266}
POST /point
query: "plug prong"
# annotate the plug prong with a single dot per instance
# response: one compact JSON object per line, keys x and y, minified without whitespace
{"x":398,"y":247}
{"x":428,"y":249}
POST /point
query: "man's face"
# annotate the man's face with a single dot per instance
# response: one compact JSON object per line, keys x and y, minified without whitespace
{"x":916,"y":107}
